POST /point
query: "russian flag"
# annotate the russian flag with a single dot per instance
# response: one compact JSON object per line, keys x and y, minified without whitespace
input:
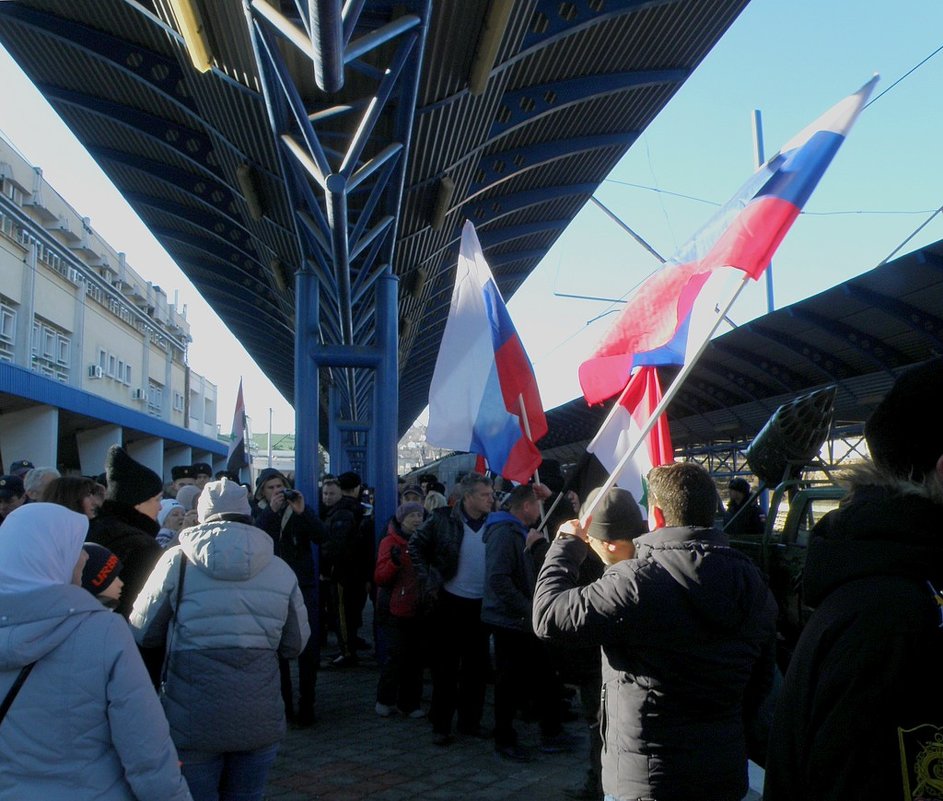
{"x":654,"y":326}
{"x":483,"y":386}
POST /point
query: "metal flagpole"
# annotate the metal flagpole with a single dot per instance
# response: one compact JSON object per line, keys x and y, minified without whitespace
{"x":666,"y":399}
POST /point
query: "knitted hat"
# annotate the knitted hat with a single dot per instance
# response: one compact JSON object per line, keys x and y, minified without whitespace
{"x":740,"y":485}
{"x":413,"y":489}
{"x":181,"y":471}
{"x":349,"y":481}
{"x":406,"y":509}
{"x":101,"y":569}
{"x":617,"y":517}
{"x":223,"y":497}
{"x":166,"y":506}
{"x":187,"y":496}
{"x":11,"y":487}
{"x":129,"y":482}
{"x":905,"y":433}
{"x":201,"y":469}
{"x":267,"y":475}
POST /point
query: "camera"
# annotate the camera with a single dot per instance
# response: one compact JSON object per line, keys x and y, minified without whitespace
{"x":291,"y":495}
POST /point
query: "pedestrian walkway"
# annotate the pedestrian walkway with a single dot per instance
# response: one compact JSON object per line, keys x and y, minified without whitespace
{"x":352,"y":754}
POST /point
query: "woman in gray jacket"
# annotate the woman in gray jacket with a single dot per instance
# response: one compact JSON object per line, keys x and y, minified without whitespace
{"x":86,"y":722}
{"x":226,"y":608}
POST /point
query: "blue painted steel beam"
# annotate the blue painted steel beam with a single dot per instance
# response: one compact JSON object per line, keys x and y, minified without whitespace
{"x":919,"y":321}
{"x":345,"y":356}
{"x":386,"y":402}
{"x":500,"y":259}
{"x":498,"y":236}
{"x":523,"y":106}
{"x":549,"y":25}
{"x":785,"y":380}
{"x":882,"y":354}
{"x":833,"y":368}
{"x":352,"y":9}
{"x":186,"y":143}
{"x":327,"y":43}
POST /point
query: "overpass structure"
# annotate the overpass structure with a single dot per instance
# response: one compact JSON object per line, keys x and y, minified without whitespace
{"x":309,"y":164}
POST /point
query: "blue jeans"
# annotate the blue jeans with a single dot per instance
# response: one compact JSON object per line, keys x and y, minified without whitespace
{"x":233,"y":776}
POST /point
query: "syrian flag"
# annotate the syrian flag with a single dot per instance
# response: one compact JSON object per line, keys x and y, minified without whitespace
{"x":236,"y":458}
{"x":623,"y":427}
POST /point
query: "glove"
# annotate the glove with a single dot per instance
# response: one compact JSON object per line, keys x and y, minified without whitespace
{"x":395,"y":555}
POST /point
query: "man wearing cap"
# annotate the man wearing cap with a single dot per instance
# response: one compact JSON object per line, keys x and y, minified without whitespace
{"x":748,"y":521}
{"x":687,"y":629}
{"x":202,"y":473}
{"x":861,"y":713}
{"x":181,"y":475}
{"x":20,"y":467}
{"x":126,"y":523}
{"x":12,"y":494}
{"x":283,"y":513}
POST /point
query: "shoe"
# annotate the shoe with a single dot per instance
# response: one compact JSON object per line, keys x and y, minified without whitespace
{"x":559,"y":743}
{"x":343,"y":661}
{"x":360,"y":644}
{"x":478,"y":732}
{"x":384,"y":710}
{"x":305,"y":719}
{"x":514,"y":753}
{"x":442,"y":740}
{"x":415,"y":714}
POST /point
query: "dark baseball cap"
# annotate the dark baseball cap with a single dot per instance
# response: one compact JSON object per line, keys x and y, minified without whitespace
{"x":11,"y":487}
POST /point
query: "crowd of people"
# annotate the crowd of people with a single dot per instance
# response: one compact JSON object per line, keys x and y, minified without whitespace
{"x":131,"y":613}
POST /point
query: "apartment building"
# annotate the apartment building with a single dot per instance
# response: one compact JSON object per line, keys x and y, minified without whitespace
{"x":91,"y":353}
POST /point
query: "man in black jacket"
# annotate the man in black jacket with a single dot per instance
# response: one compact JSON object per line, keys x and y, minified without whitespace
{"x":687,"y":629}
{"x":861,"y":713}
{"x":284,"y":515}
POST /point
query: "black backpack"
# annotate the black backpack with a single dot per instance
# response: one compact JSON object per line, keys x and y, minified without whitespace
{"x":340,"y":538}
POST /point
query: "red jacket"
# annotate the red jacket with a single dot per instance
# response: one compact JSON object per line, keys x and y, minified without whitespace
{"x":400,"y":580}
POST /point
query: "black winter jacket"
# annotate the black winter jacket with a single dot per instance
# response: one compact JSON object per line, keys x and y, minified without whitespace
{"x":435,"y":546}
{"x":131,"y":536}
{"x":510,"y":574}
{"x":861,"y":712}
{"x":293,"y":535}
{"x":687,"y":629}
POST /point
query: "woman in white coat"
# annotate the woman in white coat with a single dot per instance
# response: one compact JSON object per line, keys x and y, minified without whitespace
{"x":85,"y":722}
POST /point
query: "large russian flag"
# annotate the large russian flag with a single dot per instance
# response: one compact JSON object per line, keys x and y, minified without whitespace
{"x":482,"y":375}
{"x":744,"y":233}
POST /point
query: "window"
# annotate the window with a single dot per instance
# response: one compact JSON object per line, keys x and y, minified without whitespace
{"x":127,"y":374}
{"x":51,"y":349}
{"x":7,"y":330}
{"x":12,"y":191}
{"x":178,"y":402}
{"x":155,"y":397}
{"x":102,"y":359}
{"x":112,"y":365}
{"x":63,"y":347}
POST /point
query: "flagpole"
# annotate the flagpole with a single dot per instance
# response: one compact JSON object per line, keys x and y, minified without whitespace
{"x":526,"y":422}
{"x":663,"y":403}
{"x":612,"y":413}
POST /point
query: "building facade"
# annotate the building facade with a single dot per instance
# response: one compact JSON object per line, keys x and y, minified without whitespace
{"x":81,"y":333}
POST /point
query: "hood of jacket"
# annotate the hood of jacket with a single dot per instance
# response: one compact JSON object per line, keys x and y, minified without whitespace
{"x":723,"y":586}
{"x":35,"y":622}
{"x":227,"y":550}
{"x":884,"y":527}
{"x":496,"y":519}
{"x":127,"y":515}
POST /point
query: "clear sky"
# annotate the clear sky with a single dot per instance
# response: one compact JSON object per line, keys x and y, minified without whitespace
{"x":792,"y":60}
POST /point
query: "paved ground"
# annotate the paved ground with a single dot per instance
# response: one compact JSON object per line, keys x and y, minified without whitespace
{"x":352,"y":754}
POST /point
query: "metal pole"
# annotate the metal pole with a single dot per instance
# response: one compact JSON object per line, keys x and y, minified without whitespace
{"x":759,"y":157}
{"x":269,"y":436}
{"x":386,"y":388}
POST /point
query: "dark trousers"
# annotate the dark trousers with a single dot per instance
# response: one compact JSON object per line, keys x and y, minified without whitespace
{"x":307,"y":663}
{"x":351,"y":596}
{"x":521,"y":665}
{"x":459,"y":645}
{"x":401,"y":676}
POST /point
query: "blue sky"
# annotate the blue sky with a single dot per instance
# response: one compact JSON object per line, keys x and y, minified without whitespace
{"x":790,"y":59}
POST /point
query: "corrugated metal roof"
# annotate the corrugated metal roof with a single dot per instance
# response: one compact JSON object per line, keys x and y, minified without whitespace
{"x":519,"y":153}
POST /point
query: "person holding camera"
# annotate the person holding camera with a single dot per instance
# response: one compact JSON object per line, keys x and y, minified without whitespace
{"x":294,"y":527}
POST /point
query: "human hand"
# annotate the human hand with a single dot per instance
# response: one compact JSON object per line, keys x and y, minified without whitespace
{"x":572,"y":528}
{"x":542,"y":492}
{"x":533,"y":536}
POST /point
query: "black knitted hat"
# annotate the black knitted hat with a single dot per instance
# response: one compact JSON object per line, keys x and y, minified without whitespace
{"x":617,"y":517}
{"x":101,"y":569}
{"x":905,"y":432}
{"x":349,"y":481}
{"x":129,"y":482}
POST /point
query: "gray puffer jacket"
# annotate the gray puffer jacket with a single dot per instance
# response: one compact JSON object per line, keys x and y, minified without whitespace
{"x":86,"y":722}
{"x":240,"y":610}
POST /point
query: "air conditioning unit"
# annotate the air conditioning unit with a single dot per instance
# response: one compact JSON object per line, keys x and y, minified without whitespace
{"x":94,"y":371}
{"x":138,"y":394}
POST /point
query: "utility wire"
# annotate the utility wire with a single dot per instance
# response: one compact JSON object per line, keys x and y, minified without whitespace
{"x":905,"y":75}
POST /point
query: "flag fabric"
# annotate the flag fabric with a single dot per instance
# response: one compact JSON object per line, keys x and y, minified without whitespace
{"x":236,"y":458}
{"x":633,"y":410}
{"x":482,"y":375}
{"x":653,"y":327}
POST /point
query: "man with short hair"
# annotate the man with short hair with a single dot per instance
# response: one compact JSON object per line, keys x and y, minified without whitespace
{"x":449,"y":555}
{"x":507,"y":608}
{"x":860,"y":715}
{"x":283,"y":514}
{"x":202,"y":473}
{"x":12,"y":495}
{"x":687,"y":629}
